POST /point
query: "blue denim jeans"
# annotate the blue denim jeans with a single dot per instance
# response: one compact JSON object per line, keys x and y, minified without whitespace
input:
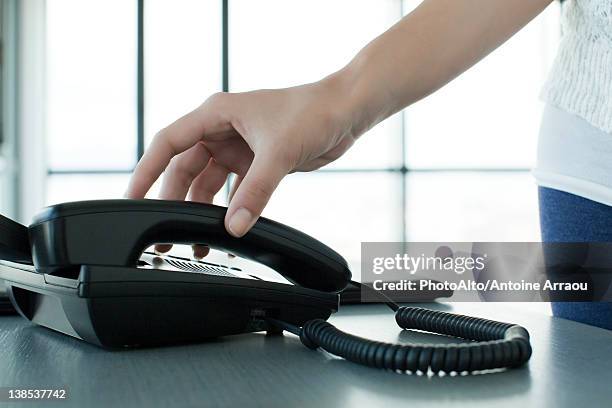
{"x":566,"y":217}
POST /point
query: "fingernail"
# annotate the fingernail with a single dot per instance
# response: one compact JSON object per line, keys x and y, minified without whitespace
{"x":162,"y":249}
{"x":200,"y":252}
{"x":239,"y":223}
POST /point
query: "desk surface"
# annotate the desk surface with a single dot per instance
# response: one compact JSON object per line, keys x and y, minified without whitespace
{"x":571,"y":366}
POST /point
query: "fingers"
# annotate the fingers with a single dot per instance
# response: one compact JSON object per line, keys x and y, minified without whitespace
{"x":177,"y":151}
{"x":203,"y":189}
{"x":175,"y":139}
{"x":182,"y":172}
{"x":235,"y":185}
{"x":179,"y":175}
{"x":253,"y":193}
{"x":200,"y":251}
{"x":208,"y":183}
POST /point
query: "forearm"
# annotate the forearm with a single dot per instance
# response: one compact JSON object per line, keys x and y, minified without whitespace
{"x":429,"y":47}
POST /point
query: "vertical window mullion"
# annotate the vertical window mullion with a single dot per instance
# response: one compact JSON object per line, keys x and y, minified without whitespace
{"x":140,"y":91}
{"x":225,"y":68}
{"x":225,"y":45}
{"x":404,"y":178}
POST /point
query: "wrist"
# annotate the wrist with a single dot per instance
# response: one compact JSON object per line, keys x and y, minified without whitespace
{"x":360,"y":103}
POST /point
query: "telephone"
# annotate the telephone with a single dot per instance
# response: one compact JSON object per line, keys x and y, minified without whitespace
{"x":80,"y":269}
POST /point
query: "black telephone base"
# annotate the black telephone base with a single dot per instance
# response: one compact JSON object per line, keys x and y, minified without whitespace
{"x":116,"y":307}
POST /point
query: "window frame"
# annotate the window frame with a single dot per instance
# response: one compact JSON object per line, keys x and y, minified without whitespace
{"x":8,"y":113}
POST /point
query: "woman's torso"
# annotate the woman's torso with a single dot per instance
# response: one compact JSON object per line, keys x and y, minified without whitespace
{"x":575,"y":144}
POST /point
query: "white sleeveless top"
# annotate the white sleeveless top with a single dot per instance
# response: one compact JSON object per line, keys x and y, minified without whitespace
{"x":580,"y":81}
{"x":574,"y":156}
{"x":575,"y":143}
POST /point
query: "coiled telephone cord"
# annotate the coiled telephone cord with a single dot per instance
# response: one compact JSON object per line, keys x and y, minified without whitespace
{"x":494,"y":344}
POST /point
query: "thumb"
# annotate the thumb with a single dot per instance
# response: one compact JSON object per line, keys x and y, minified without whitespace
{"x":253,"y":194}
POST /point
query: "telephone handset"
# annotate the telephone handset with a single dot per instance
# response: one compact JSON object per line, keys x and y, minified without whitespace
{"x":80,"y":269}
{"x":116,"y":232}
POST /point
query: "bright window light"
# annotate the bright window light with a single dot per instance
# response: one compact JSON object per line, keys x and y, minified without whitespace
{"x":91,"y":84}
{"x":182,"y":58}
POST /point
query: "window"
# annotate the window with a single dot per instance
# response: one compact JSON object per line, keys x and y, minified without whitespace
{"x":91,"y":77}
{"x":182,"y":58}
{"x":3,"y":181}
{"x":8,"y":93}
{"x":125,"y":68}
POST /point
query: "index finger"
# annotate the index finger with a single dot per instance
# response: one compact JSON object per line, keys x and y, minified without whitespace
{"x":175,"y":139}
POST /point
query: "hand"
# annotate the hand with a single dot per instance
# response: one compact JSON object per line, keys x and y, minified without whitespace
{"x":260,"y":136}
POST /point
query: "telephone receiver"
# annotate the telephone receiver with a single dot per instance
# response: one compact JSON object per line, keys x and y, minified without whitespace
{"x":116,"y":232}
{"x":80,"y":269}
